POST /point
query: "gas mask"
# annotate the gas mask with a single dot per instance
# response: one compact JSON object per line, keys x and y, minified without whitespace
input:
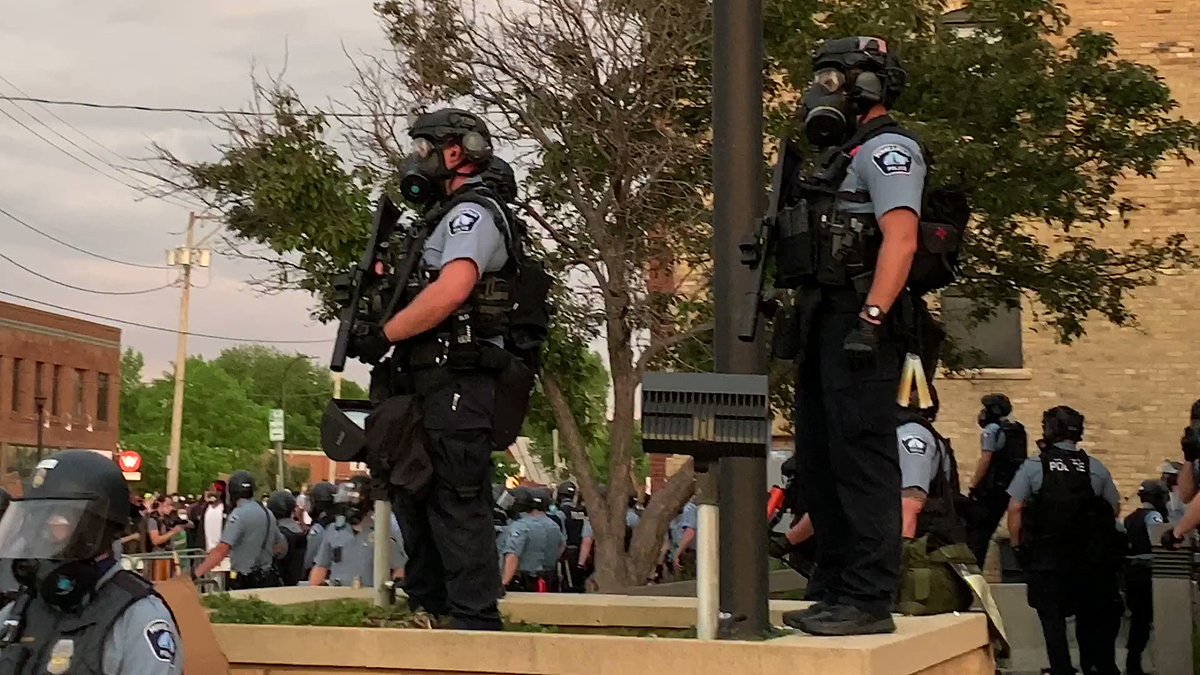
{"x":829,"y":115}
{"x":422,"y":173}
{"x":64,"y":584}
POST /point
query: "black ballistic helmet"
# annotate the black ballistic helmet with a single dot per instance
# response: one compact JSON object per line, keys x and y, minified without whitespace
{"x":451,"y":123}
{"x":320,"y":498}
{"x":83,"y":474}
{"x":996,"y":405}
{"x":1153,"y":491}
{"x":566,"y":492}
{"x":241,"y":486}
{"x":282,"y":504}
{"x":879,"y":75}
{"x":1062,"y":423}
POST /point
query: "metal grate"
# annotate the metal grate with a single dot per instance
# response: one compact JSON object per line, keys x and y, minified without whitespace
{"x":706,"y":415}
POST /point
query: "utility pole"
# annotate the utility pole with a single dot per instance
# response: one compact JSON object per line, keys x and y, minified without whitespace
{"x":185,"y":257}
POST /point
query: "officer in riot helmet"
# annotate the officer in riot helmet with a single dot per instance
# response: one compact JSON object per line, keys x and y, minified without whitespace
{"x":320,"y":512}
{"x":78,"y":611}
{"x":857,"y":215}
{"x":574,"y":518}
{"x":461,"y":353}
{"x":346,"y":556}
{"x":1139,"y":595}
{"x":290,"y":567}
{"x":1004,"y":450}
{"x":1062,"y":513}
{"x":532,"y":545}
{"x":251,"y":539}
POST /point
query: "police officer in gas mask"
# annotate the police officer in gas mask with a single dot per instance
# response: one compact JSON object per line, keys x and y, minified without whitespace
{"x":848,"y":249}
{"x":1063,"y":515}
{"x":78,"y":611}
{"x":1139,"y":584}
{"x":320,"y":511}
{"x":290,"y":567}
{"x":1004,"y":450}
{"x":346,"y":556}
{"x":457,"y":351}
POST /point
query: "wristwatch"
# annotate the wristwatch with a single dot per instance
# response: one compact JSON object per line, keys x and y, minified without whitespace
{"x":873,"y":313}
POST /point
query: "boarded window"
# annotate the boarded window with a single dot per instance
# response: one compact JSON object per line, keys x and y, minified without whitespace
{"x":16,"y":384}
{"x":992,"y":342}
{"x":102,"y":397}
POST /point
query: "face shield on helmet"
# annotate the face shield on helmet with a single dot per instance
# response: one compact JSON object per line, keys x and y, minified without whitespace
{"x":53,"y":529}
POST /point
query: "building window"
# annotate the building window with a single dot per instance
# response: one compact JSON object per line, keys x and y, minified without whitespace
{"x":55,"y":387}
{"x":16,"y":385}
{"x":80,"y":406}
{"x":102,"y":397}
{"x":992,"y":342}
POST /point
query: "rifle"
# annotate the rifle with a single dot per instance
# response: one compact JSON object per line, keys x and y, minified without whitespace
{"x":372,"y":272}
{"x":756,"y":251}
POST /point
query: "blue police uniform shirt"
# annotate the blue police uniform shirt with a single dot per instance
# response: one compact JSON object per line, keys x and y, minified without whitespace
{"x":357,"y":552}
{"x":535,"y":540}
{"x":891,"y":168}
{"x":252,"y":535}
{"x":680,"y":524}
{"x":920,"y":456}
{"x":1028,"y":480}
{"x":312,"y":542}
{"x":144,"y":640}
{"x":992,"y":438}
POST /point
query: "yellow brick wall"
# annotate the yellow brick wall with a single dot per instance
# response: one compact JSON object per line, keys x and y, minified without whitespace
{"x":1134,"y":385}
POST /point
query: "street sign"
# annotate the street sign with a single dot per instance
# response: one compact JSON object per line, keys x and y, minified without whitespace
{"x":275,"y":425}
{"x":130,"y":461}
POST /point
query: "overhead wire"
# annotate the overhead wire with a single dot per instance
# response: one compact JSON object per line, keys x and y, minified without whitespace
{"x":73,"y":247}
{"x":80,"y":288}
{"x":170,"y":109}
{"x":160,"y":328}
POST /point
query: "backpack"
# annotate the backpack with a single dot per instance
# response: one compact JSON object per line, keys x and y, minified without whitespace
{"x":945,"y":218}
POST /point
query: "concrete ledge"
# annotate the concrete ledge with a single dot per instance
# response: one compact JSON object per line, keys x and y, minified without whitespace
{"x":940,"y":645}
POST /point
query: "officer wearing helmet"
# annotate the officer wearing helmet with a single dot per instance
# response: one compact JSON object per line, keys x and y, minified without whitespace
{"x":290,"y":567}
{"x":1062,"y":514}
{"x":1004,"y":450}
{"x":532,"y":545}
{"x":78,"y":611}
{"x":347,"y":553}
{"x":320,"y":512}
{"x":852,"y":236}
{"x":574,"y":519}
{"x":1139,"y":596}
{"x":251,"y":539}
{"x":459,"y":353}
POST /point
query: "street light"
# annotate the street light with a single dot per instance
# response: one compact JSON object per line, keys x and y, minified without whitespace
{"x":280,"y":468}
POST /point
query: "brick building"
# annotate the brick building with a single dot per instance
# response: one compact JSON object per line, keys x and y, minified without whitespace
{"x":1134,"y":385}
{"x":70,"y":366}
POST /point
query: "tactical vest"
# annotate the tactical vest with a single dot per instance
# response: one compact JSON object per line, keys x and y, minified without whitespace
{"x":574,"y":518}
{"x":1138,"y":532}
{"x":290,"y":567}
{"x":86,"y":630}
{"x":1007,"y":460}
{"x":510,"y":303}
{"x":1068,"y":525}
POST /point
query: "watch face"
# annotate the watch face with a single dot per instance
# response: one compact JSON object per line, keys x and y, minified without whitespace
{"x":874,"y":312}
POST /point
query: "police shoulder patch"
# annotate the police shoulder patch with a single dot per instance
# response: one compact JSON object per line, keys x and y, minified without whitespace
{"x":161,"y":638}
{"x":892,"y":160}
{"x":464,"y":221}
{"x":914,"y":445}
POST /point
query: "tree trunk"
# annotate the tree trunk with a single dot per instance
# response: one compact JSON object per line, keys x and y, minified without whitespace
{"x":651,"y":530}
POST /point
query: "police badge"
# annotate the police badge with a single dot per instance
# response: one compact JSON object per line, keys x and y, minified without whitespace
{"x":60,"y":657}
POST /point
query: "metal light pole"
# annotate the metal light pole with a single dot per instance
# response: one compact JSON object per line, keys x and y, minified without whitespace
{"x":737,"y":202}
{"x":40,"y":402}
{"x":280,"y":468}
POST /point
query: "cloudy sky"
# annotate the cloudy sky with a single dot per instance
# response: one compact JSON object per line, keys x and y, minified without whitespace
{"x":197,"y":55}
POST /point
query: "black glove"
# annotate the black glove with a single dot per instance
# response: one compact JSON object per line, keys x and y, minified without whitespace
{"x":1024,"y":556}
{"x":1190,"y":443}
{"x":778,"y":545}
{"x":368,"y":344}
{"x":1169,"y":540}
{"x":862,"y":344}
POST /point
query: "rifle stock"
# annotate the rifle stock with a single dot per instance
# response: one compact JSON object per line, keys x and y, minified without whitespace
{"x":383,"y":225}
{"x":756,"y":253}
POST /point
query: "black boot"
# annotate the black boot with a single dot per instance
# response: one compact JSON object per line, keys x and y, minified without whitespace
{"x":840,"y":620}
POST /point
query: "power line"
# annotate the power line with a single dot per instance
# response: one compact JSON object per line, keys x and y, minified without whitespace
{"x":167,"y":109}
{"x":81,"y":250}
{"x":81,"y":288}
{"x":159,"y":328}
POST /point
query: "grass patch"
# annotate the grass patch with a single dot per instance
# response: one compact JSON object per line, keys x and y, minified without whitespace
{"x":362,"y":614}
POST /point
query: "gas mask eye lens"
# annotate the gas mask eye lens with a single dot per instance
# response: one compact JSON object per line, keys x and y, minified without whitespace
{"x":830,"y":79}
{"x":422,"y":148}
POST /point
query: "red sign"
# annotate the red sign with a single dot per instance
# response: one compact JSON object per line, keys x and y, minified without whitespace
{"x":130,"y":461}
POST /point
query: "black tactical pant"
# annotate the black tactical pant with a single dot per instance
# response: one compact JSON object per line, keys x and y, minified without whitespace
{"x":1139,"y":597}
{"x":986,"y":511}
{"x":448,"y":532}
{"x":1092,"y":598}
{"x":850,"y":472}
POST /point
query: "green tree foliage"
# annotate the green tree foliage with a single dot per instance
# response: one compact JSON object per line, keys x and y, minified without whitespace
{"x":226,"y":404}
{"x":1040,"y":122}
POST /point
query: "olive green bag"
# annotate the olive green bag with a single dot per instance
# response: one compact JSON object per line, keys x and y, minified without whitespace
{"x":929,"y":580}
